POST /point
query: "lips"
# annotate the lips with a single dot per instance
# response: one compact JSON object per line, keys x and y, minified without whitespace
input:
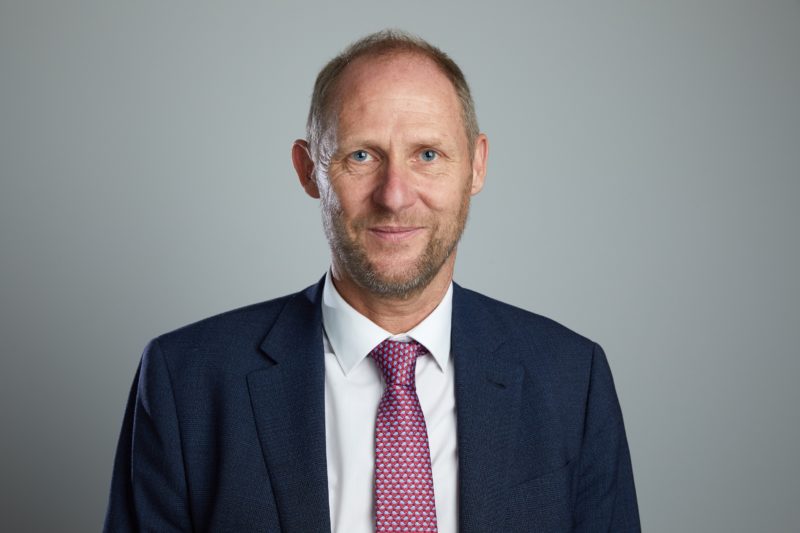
{"x":394,"y":233}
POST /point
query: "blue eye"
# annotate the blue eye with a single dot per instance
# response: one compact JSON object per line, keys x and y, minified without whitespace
{"x":428,"y":155}
{"x":360,"y":155}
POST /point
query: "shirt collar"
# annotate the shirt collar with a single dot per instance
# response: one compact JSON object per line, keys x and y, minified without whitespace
{"x":352,"y":335}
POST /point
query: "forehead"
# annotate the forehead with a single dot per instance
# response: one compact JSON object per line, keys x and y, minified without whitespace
{"x":397,"y":81}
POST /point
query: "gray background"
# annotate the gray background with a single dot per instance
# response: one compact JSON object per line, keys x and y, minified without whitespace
{"x":643,"y":184}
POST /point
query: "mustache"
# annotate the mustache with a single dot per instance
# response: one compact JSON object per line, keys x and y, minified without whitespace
{"x":389,"y":220}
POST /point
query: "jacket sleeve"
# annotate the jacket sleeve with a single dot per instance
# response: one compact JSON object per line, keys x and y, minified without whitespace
{"x":606,"y":496}
{"x":148,"y":487}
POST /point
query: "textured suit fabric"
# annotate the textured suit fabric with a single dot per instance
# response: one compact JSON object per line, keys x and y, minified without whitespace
{"x":225,"y":426}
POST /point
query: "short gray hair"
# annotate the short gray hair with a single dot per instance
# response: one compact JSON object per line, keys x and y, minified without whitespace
{"x":382,"y":43}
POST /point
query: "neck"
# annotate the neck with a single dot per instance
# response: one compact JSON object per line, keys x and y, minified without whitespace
{"x":395,"y":315}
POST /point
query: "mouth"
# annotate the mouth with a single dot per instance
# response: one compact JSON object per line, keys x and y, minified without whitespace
{"x":394,"y":233}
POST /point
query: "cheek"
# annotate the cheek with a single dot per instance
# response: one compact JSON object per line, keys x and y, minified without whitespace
{"x":328,"y":200}
{"x":351,"y":196}
{"x":446,"y":201}
{"x":345,"y":210}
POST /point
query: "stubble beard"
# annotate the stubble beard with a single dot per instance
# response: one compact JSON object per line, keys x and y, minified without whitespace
{"x":351,"y":256}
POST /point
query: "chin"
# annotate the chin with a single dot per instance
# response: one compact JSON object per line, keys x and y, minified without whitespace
{"x":402,"y":278}
{"x":395,"y":270}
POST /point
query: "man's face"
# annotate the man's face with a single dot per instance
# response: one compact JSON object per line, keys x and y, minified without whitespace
{"x":396,"y":192}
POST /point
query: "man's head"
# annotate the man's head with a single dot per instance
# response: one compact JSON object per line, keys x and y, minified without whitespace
{"x":394,"y":154}
{"x":322,"y":114}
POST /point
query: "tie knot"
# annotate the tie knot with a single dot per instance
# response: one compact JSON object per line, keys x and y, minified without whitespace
{"x":397,"y":361}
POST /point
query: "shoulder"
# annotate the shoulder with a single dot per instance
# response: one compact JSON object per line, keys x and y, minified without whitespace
{"x":543,"y":347}
{"x":517,"y":323}
{"x":227,"y":325}
{"x":227,"y":341}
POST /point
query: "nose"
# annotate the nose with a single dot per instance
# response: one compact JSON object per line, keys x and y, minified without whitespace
{"x":395,"y":190}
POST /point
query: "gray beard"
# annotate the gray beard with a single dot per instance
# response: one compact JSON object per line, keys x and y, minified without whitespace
{"x":352,"y":259}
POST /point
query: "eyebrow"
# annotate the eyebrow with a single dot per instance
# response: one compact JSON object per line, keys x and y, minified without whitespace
{"x":420,"y":141}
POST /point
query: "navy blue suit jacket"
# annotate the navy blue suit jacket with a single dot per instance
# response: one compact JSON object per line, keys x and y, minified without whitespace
{"x":225,"y":426}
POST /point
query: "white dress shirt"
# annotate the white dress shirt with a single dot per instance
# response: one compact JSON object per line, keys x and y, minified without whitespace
{"x":353,"y":389}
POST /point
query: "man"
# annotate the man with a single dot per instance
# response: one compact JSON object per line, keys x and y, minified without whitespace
{"x":385,"y":397}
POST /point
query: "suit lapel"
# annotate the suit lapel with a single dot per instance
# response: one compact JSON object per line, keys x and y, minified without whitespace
{"x":288,"y":400}
{"x":488,"y":387}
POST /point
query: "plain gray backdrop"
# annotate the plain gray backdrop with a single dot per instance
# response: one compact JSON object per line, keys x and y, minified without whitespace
{"x":643,"y":188}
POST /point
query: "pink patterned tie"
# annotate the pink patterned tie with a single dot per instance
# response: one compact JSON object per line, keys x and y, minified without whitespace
{"x":403,"y":481}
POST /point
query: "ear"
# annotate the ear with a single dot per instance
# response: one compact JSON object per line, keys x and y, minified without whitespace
{"x":304,"y":166}
{"x":479,"y":160}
